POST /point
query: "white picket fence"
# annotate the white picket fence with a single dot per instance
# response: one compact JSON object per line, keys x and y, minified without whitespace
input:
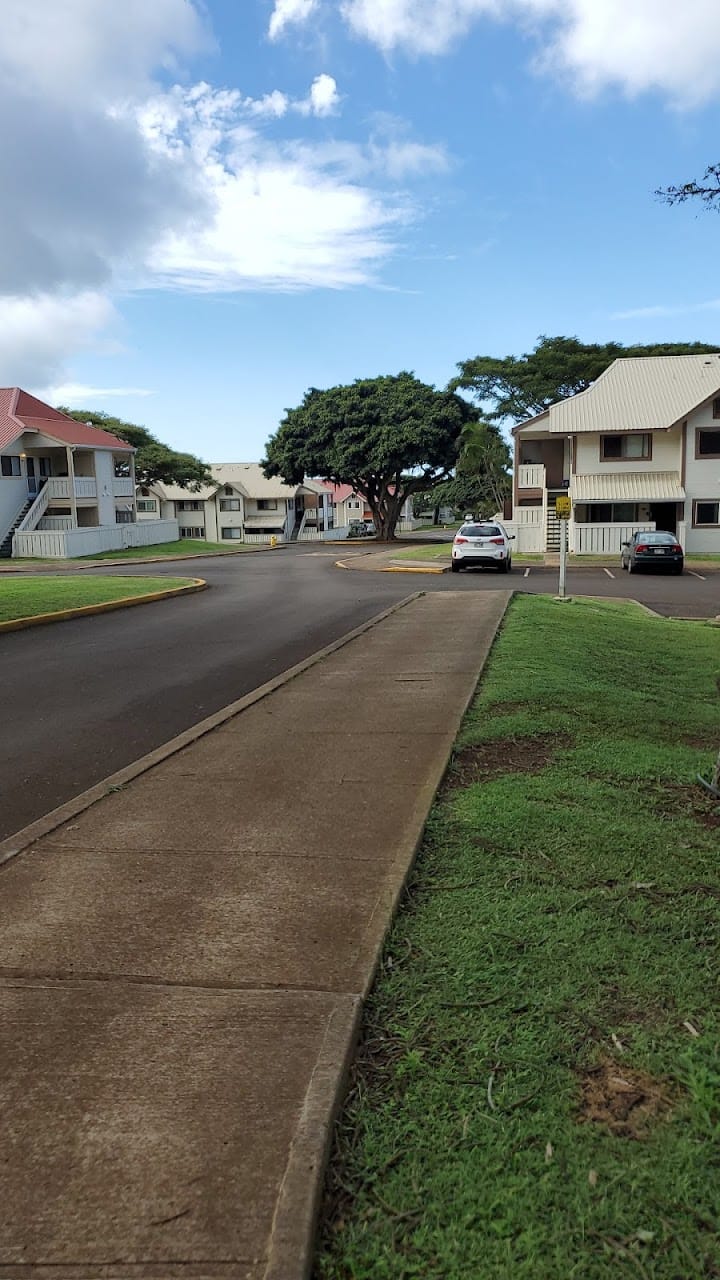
{"x":69,"y":544}
{"x":603,"y":539}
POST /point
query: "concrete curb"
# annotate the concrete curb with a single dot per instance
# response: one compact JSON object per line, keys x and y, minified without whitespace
{"x":21,"y":840}
{"x":88,"y":610}
{"x":71,"y":565}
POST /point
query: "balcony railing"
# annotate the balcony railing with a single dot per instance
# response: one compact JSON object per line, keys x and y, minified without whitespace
{"x":122,"y":487}
{"x":531,"y":476}
{"x":59,"y":488}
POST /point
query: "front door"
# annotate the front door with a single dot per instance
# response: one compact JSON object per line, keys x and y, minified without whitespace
{"x":32,"y":483}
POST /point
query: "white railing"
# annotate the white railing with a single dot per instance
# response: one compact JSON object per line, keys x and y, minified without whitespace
{"x":603,"y":539}
{"x":59,"y":487}
{"x":122,"y":487}
{"x":39,"y":506}
{"x":529,"y":538}
{"x":68,"y":544}
{"x":528,"y":516}
{"x":261,"y":538}
{"x":54,"y":523}
{"x":323,"y":535}
{"x":531,"y":476}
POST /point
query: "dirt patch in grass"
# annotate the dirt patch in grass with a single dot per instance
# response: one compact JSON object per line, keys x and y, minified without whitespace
{"x":674,"y":800}
{"x":702,"y":741}
{"x":622,"y":1100}
{"x":487,"y":760}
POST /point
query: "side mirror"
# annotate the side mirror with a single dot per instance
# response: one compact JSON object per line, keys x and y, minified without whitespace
{"x":624,"y":544}
{"x":511,"y":537}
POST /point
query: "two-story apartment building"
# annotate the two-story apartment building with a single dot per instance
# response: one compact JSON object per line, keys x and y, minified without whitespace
{"x":65,"y":486}
{"x":242,"y":505}
{"x":639,"y":449}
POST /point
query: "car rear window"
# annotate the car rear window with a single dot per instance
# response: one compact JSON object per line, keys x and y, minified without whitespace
{"x":656,"y":537}
{"x":480,"y":531}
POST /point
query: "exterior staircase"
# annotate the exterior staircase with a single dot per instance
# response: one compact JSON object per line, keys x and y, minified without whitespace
{"x":552,"y":525}
{"x":299,"y":523}
{"x":6,"y":544}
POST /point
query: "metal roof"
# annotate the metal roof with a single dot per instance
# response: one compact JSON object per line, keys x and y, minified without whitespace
{"x":20,"y":412}
{"x":644,"y":394}
{"x":628,"y":486}
{"x":251,"y":479}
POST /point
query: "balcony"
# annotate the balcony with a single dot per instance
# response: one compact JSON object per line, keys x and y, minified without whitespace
{"x":531,"y":476}
{"x":123,"y":487}
{"x":58,"y":488}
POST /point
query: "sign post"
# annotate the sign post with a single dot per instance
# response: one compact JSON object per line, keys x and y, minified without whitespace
{"x":563,"y":507}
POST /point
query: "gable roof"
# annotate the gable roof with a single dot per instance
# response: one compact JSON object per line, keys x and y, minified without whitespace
{"x":20,"y":412}
{"x":178,"y":493}
{"x":251,"y":480}
{"x":647,"y":393}
{"x":340,"y":492}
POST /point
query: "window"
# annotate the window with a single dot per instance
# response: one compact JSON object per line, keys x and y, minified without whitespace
{"x":189,"y":506}
{"x":716,"y":408}
{"x":707,"y":444}
{"x":267,"y":504}
{"x":230,"y":504}
{"x":45,"y":466}
{"x":626,"y":447}
{"x":147,"y":504}
{"x":611,"y":513}
{"x":706,"y":513}
{"x":10,"y":465}
{"x":228,"y":491}
{"x":231,"y":534}
{"x":123,"y":517}
{"x":192,"y":532}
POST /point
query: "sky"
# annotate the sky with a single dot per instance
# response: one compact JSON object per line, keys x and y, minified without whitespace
{"x":210,"y":207}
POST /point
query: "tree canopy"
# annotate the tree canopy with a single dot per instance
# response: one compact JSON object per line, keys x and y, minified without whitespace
{"x":153,"y":460}
{"x":706,"y":190}
{"x":519,"y":387}
{"x":388,"y":437}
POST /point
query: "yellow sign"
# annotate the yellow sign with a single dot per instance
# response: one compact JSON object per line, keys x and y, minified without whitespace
{"x":563,"y":507}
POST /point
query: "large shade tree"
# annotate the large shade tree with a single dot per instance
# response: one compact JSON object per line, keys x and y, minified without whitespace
{"x":519,"y":387}
{"x":388,"y":437}
{"x":154,"y":461}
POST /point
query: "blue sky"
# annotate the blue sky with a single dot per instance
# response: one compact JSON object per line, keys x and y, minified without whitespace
{"x":219,"y":206}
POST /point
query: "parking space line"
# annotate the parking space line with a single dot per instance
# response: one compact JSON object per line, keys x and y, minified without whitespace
{"x":697,"y":575}
{"x":526,"y":573}
{"x":609,"y":574}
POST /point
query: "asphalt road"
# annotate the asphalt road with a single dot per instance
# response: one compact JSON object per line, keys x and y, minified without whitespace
{"x":81,"y":699}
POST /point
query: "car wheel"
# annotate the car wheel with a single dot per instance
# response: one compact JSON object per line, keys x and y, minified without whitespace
{"x":504,"y":566}
{"x":454,"y":566}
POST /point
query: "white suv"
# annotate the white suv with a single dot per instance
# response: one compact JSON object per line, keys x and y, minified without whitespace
{"x":482,"y":542}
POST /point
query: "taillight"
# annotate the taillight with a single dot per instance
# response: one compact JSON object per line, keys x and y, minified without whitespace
{"x":459,"y":540}
{"x":498,"y":542}
{"x":677,"y":549}
{"x":642,"y":546}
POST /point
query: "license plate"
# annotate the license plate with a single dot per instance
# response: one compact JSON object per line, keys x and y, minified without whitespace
{"x":658,"y":551}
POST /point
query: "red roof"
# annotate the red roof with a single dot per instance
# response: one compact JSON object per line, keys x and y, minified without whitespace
{"x":19,"y":412}
{"x":340,"y":492}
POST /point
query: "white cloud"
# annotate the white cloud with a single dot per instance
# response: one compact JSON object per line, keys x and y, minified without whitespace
{"x":285,"y":218}
{"x":38,"y":333}
{"x":322,"y":100}
{"x":663,"y":310}
{"x":324,"y":97}
{"x":631,"y":45}
{"x":78,"y":393}
{"x":289,"y":12}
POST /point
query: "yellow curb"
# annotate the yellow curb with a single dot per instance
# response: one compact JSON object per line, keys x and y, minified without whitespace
{"x":399,"y":569}
{"x":87,"y":610}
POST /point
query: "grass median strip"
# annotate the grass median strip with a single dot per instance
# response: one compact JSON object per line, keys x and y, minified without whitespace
{"x":29,"y":597}
{"x":184,"y":547}
{"x":537,"y":1089}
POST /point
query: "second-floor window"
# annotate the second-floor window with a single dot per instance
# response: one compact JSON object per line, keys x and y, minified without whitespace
{"x":10,"y":465}
{"x":188,"y":505}
{"x":229,"y":504}
{"x":147,"y":504}
{"x":707,"y":444}
{"x":626,"y":447}
{"x":267,"y":504}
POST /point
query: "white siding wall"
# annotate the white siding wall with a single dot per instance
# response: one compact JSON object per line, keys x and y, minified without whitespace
{"x":667,"y":455}
{"x":13,"y":493}
{"x":702,"y":480}
{"x":225,"y":519}
{"x":104,"y":475}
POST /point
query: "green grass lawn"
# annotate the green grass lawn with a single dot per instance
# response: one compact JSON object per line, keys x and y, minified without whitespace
{"x":183,"y":547}
{"x":441,"y":551}
{"x":537,"y":1090}
{"x":27,"y":597}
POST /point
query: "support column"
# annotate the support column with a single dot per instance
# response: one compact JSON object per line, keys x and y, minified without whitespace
{"x":71,"y":476}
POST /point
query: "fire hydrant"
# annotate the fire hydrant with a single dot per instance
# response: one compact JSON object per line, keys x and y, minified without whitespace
{"x":273,"y":540}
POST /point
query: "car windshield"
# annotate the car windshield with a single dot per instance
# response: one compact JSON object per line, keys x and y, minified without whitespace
{"x":656,"y":537}
{"x":479,"y":531}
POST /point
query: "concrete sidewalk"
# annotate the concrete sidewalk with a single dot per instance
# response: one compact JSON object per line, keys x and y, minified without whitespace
{"x":183,"y":966}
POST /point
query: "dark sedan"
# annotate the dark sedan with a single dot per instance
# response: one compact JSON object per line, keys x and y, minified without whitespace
{"x":648,"y":550}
